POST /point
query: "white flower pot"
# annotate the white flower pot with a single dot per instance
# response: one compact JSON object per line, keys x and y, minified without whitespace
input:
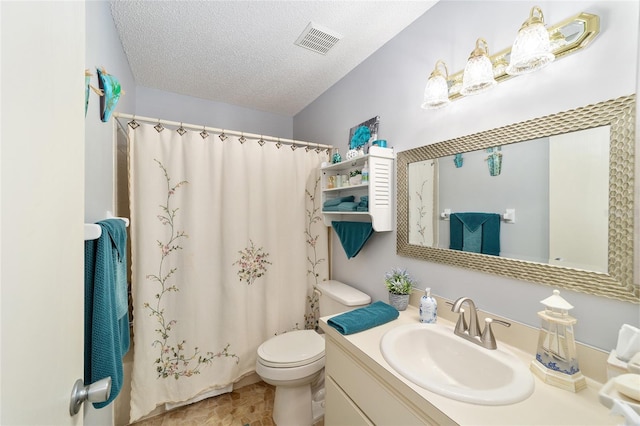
{"x":355,"y":180}
{"x":399,"y":301}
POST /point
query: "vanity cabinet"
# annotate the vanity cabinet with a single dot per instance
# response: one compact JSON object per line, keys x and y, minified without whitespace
{"x":362,"y":389}
{"x":357,"y":394}
{"x":378,"y":188}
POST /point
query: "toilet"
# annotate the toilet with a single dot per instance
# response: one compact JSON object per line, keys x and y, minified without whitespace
{"x":293,"y":362}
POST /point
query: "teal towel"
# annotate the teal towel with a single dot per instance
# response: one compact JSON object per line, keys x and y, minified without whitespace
{"x":347,"y":207}
{"x":342,"y":207}
{"x":361,"y":319}
{"x":353,"y":235}
{"x":117,"y":231}
{"x":338,"y":200}
{"x":472,"y":240}
{"x":475,"y":232}
{"x":106,"y":334}
{"x":362,"y":208}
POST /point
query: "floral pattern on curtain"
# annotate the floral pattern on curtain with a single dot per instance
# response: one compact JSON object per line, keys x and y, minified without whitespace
{"x":227,"y":248}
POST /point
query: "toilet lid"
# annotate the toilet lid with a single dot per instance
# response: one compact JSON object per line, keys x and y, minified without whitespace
{"x":292,"y":349}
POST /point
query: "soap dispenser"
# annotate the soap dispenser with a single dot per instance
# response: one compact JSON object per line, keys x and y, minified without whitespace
{"x":365,"y":172}
{"x":428,"y":308}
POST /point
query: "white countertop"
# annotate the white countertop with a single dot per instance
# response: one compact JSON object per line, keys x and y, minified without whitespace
{"x":547,"y":405}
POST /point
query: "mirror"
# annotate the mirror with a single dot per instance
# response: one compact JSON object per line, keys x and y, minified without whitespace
{"x":557,"y":186}
{"x":429,"y":182}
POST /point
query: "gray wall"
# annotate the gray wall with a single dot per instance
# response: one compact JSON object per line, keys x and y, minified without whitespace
{"x":523,"y":185}
{"x":390,"y":83}
{"x":171,"y":106}
{"x":103,"y":49}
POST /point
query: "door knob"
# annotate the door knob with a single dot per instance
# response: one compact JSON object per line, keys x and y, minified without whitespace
{"x":96,"y":392}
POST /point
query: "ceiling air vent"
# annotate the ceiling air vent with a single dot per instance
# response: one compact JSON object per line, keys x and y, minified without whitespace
{"x":317,"y":38}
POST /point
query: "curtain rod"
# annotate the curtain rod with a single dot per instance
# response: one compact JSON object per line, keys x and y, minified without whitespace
{"x":229,"y":132}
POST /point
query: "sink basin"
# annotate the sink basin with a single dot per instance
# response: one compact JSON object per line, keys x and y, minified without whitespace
{"x":434,"y":358}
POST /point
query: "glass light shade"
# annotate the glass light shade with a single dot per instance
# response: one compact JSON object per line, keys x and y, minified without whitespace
{"x":478,"y":73}
{"x":531,"y":50}
{"x":436,"y":93}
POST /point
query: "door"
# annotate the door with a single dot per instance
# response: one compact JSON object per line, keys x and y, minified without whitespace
{"x":42,"y":209}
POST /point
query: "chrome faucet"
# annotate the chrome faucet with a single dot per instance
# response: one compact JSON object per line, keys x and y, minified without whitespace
{"x":471,"y":331}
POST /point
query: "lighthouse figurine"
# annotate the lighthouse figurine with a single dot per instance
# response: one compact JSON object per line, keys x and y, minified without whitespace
{"x":556,"y":360}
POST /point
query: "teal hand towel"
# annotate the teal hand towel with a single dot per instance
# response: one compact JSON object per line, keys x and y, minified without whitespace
{"x":361,"y":319}
{"x":472,"y":240}
{"x":347,"y":207}
{"x":353,"y":235}
{"x":475,"y":232}
{"x":338,"y":200}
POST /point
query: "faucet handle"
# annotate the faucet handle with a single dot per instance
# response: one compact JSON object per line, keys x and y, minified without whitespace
{"x":461,"y":325}
{"x":487,"y":339}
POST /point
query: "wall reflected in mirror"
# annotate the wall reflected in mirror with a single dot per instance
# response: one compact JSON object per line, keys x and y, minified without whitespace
{"x":558,"y":185}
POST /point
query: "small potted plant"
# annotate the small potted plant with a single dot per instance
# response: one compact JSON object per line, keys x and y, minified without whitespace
{"x":355,"y":177}
{"x":399,"y":283}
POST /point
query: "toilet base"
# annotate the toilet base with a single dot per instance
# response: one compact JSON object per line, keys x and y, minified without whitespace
{"x":292,"y":406}
{"x":317,"y":410}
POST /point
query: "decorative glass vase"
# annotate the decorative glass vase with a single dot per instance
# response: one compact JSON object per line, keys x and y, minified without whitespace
{"x":399,"y":301}
{"x":494,"y":160}
{"x":458,"y":160}
{"x":351,"y":154}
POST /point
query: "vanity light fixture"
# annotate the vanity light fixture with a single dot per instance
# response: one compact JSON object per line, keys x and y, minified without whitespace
{"x":566,"y":37}
{"x":531,"y":50}
{"x":436,"y":93}
{"x":478,"y":73}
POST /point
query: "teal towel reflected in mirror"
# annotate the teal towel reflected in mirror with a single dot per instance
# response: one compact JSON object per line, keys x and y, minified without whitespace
{"x":475,"y":232}
{"x":353,"y":235}
{"x":361,"y":319}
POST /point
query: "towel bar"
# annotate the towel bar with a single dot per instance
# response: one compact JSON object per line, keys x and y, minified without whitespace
{"x":509,"y":216}
{"x":93,"y":231}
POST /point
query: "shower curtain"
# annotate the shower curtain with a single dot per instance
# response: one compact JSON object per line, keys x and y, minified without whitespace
{"x":227,"y":246}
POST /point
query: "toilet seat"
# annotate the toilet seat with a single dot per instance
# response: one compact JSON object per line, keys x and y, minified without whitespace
{"x":292,"y":349}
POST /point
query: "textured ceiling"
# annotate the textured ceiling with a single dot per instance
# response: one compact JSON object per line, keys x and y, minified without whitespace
{"x":243,"y":52}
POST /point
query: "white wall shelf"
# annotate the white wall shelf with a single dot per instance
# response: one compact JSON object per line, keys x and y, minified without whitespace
{"x":378,"y":188}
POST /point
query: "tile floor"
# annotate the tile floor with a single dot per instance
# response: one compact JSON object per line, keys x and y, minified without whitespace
{"x":250,"y":405}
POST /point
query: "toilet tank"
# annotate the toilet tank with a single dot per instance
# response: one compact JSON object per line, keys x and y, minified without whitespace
{"x":337,"y":297}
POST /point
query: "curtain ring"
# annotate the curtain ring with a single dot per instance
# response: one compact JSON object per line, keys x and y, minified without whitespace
{"x":159,"y":127}
{"x":261,"y":141}
{"x":278,"y":145}
{"x":242,"y":138}
{"x":222,"y":136}
{"x":204,"y":134}
{"x":181,"y":131}
{"x":133,"y":123}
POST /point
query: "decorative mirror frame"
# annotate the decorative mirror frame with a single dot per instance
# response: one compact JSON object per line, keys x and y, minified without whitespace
{"x":617,"y":283}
